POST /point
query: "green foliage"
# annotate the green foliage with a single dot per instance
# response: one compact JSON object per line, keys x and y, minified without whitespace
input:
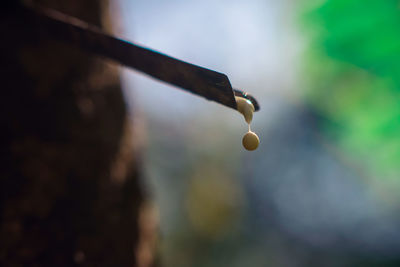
{"x":352,"y":72}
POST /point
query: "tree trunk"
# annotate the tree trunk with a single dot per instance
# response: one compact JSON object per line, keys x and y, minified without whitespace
{"x":69,"y":177}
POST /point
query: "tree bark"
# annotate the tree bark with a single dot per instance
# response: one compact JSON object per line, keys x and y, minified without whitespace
{"x":69,"y":180}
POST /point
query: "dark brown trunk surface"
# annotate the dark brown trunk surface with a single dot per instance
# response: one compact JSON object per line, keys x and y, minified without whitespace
{"x":69,"y":188}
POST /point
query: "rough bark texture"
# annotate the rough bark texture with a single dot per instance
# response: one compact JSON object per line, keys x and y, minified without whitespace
{"x":69,"y":188}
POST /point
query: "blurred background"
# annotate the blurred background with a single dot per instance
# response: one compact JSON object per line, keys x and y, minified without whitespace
{"x":323,"y":187}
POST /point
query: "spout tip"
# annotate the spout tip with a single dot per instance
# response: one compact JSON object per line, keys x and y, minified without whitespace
{"x":247,"y":96}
